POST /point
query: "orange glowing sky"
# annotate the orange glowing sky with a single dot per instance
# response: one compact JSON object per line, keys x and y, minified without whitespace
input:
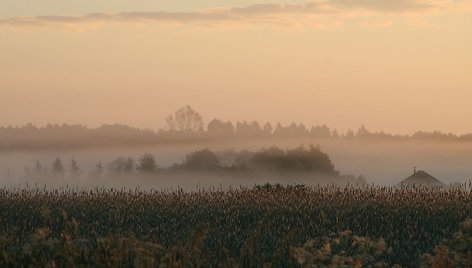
{"x":397,"y":66}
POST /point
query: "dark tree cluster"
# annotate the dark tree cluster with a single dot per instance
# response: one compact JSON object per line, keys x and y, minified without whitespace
{"x":271,"y":161}
{"x":294,"y":160}
{"x":121,"y":166}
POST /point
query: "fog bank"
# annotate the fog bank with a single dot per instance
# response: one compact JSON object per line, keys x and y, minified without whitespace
{"x":380,"y":162}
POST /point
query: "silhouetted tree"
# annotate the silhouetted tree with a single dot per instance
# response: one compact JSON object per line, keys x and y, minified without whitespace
{"x":267,"y":129}
{"x":38,"y":169}
{"x":185,"y":119}
{"x":57,"y":167}
{"x":74,"y":170}
{"x":256,"y":128}
{"x":129,"y":165}
{"x":121,"y":165}
{"x":362,"y":132}
{"x":320,"y":132}
{"x":218,"y":128}
{"x":98,"y":172}
{"x":248,"y":130}
{"x":294,"y":160}
{"x":147,"y":163}
{"x":202,"y":160}
{"x":241,"y":129}
{"x":293,"y":130}
{"x":278,"y":130}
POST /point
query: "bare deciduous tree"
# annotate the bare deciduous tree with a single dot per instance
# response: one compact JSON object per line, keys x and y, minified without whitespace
{"x":185,"y":119}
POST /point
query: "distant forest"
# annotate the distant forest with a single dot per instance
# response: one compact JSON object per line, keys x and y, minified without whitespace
{"x":186,"y":126}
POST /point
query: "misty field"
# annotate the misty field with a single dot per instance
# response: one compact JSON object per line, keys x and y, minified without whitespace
{"x":264,"y":226}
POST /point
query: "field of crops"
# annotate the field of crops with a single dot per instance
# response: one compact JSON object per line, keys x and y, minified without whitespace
{"x":266,"y":226}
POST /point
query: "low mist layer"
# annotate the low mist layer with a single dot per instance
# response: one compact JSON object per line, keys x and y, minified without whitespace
{"x":376,"y":157}
{"x":385,"y":163}
{"x":202,"y":168}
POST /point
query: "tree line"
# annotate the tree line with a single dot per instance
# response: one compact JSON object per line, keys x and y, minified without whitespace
{"x":183,"y":126}
{"x":302,"y":160}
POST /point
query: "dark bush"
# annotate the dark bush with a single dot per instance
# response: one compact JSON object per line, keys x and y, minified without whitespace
{"x":294,"y":160}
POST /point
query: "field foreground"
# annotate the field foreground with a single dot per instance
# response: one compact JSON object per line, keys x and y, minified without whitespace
{"x":270,"y":225}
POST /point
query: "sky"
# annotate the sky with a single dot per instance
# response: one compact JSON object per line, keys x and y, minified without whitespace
{"x":397,"y":66}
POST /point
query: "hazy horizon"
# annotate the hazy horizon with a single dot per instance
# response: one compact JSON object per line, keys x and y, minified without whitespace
{"x":395,"y":66}
{"x":398,"y":66}
{"x":164,"y":126}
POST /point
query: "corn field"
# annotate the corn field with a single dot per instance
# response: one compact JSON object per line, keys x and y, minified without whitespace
{"x":264,"y":226}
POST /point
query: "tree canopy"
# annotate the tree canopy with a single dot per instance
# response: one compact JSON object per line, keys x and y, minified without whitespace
{"x":185,"y":119}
